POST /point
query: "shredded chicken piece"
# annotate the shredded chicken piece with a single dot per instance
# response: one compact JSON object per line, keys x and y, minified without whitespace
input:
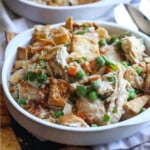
{"x":113,"y":54}
{"x":27,"y":90}
{"x":135,"y":80}
{"x":72,"y":121}
{"x":92,"y":110}
{"x":105,"y":88}
{"x":133,"y":48}
{"x":67,"y":108}
{"x":118,"y":97}
{"x":17,"y":76}
{"x":58,"y":62}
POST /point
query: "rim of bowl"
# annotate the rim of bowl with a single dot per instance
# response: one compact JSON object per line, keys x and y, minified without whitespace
{"x":61,"y":127}
{"x":96,"y":4}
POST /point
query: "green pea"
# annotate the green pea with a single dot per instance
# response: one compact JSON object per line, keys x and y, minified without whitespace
{"x":90,"y":89}
{"x":100,"y":61}
{"x":22,"y":101}
{"x":131,"y":95}
{"x":66,"y":67}
{"x":95,"y":84}
{"x":31,"y":76}
{"x":139,"y":70}
{"x":94,"y":125}
{"x":93,"y":96}
{"x":113,"y":39}
{"x":111,"y":79}
{"x":78,"y":61}
{"x":102,"y":42}
{"x":125,"y":63}
{"x":80,"y":74}
{"x":130,"y":89}
{"x":59,"y":113}
{"x":81,"y":91}
{"x":106,"y":118}
{"x":138,"y":91}
{"x":119,"y":44}
{"x":42,"y":63}
{"x":109,"y":63}
{"x":41,"y":77}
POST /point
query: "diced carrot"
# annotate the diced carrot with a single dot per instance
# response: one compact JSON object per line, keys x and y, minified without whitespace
{"x":108,"y":69}
{"x":39,"y":50}
{"x":72,"y":70}
{"x":93,"y":79}
{"x":81,"y":115}
{"x":87,"y":119}
{"x":92,"y":64}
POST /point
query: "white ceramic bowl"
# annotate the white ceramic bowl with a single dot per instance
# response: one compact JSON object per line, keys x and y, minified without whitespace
{"x":64,"y":134}
{"x":50,"y":14}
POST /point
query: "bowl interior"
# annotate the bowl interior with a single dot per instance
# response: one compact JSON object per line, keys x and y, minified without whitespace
{"x":24,"y":39}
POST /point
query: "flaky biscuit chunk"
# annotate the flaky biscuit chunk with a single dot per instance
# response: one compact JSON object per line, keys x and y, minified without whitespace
{"x":8,"y":139}
{"x":59,"y":92}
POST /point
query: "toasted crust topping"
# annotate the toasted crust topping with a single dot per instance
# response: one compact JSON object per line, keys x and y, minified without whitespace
{"x":59,"y":92}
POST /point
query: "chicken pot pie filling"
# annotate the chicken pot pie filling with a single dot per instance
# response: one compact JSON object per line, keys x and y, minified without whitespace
{"x":80,"y":75}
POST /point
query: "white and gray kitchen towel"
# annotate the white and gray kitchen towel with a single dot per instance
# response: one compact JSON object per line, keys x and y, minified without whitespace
{"x":13,"y":23}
